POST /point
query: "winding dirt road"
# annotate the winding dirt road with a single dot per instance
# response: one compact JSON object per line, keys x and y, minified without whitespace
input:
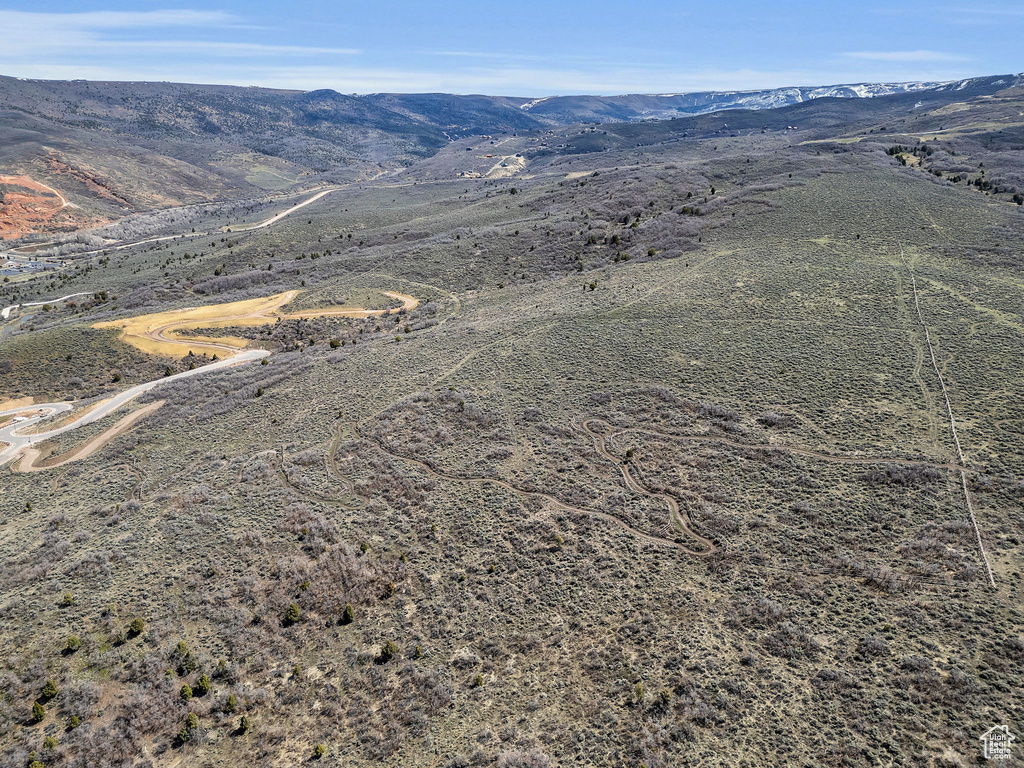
{"x":164,"y":332}
{"x":681,"y":520}
{"x":119,"y":246}
{"x":30,"y":460}
{"x":20,"y":437}
{"x":635,"y":487}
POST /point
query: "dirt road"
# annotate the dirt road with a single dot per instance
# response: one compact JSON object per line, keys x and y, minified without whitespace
{"x":18,"y":440}
{"x":165,"y":332}
{"x":281,"y":215}
{"x":30,"y":461}
{"x":115,"y":246}
{"x":5,"y":313}
{"x":707,"y":546}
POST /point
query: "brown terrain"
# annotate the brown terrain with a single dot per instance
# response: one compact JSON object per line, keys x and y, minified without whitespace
{"x":27,"y":206}
{"x":88,"y":177}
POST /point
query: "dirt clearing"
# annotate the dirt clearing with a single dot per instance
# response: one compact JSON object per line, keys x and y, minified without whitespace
{"x":165,"y":333}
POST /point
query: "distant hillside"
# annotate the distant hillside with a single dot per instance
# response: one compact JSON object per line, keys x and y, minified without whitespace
{"x":494,"y":113}
{"x":564,"y":110}
{"x":90,"y":152}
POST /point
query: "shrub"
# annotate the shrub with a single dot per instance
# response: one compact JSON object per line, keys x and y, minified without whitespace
{"x":638,"y":693}
{"x":72,"y":644}
{"x":906,"y":475}
{"x":187,"y":662}
{"x":136,"y":627}
{"x":319,"y":751}
{"x":533,"y":758}
{"x":387,"y":652}
{"x":291,"y":615}
{"x":348,"y":615}
{"x":244,"y":725}
{"x":772,"y":419}
{"x":872,"y":646}
{"x":202,"y":685}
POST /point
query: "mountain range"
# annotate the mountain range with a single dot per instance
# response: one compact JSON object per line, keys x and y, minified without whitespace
{"x":117,"y":147}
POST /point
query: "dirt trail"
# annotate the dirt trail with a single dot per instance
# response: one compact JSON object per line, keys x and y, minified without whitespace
{"x":828,"y":572}
{"x":279,"y":216}
{"x":916,"y":340}
{"x":118,"y":246}
{"x":27,"y":205}
{"x":479,"y":480}
{"x":681,"y":519}
{"x":797,"y":451}
{"x":30,"y":457}
{"x":5,"y":313}
{"x":408,"y":303}
{"x":952,"y":423}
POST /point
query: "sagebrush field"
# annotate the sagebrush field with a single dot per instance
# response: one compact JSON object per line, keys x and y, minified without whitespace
{"x":656,"y":468}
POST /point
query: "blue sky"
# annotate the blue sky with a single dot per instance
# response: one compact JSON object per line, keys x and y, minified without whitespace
{"x":519,"y":47}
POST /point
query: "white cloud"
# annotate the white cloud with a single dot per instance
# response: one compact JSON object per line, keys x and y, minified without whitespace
{"x":980,"y":14}
{"x":214,"y":48}
{"x":906,"y":56}
{"x":30,"y":21}
{"x":64,"y":38}
{"x":135,"y":46}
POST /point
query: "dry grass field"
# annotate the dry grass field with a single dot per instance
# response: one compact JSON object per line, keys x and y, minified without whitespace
{"x":166,"y":333}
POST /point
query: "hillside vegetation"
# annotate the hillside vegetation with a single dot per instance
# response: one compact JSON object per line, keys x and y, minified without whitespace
{"x":657,"y":472}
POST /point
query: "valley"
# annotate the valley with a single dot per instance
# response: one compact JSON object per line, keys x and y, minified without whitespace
{"x":618,"y":443}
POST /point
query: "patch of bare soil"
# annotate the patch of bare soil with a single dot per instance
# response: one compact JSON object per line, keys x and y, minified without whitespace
{"x":18,"y":402}
{"x":30,"y":461}
{"x":26,"y":206}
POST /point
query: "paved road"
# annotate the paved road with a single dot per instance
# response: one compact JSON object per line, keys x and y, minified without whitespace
{"x":16,"y":442}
